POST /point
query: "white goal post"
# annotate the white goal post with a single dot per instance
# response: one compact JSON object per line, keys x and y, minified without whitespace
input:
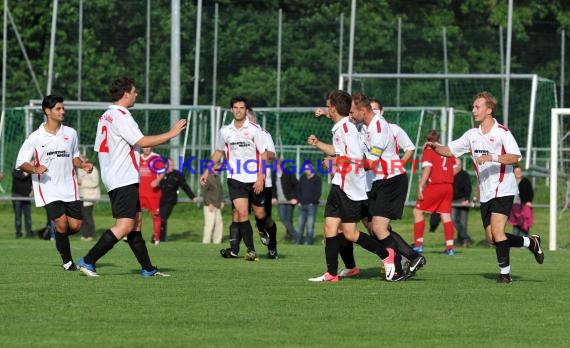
{"x":558,"y":134}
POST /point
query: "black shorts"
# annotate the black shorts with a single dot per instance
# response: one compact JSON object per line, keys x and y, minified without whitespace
{"x":125,"y":202}
{"x":268,"y":193}
{"x":499,"y":205}
{"x":388,"y":197}
{"x":340,"y":206}
{"x":238,"y":189}
{"x":58,"y":208}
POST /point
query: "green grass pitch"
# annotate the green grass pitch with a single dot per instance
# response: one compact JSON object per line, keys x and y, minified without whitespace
{"x":213,"y":302}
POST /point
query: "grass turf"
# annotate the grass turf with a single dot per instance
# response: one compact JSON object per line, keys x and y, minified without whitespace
{"x":215,"y":302}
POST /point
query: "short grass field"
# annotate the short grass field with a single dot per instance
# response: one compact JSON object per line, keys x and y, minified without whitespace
{"x":214,"y":302}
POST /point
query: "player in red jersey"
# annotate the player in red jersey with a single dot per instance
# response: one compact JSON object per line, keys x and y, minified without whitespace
{"x":435,"y":194}
{"x":149,"y":189}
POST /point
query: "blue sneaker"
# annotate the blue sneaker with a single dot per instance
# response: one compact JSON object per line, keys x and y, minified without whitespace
{"x":419,"y":249}
{"x":87,"y":268}
{"x":153,"y":273}
{"x":449,"y":252}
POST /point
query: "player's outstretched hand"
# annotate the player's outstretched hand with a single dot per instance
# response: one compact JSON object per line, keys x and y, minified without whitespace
{"x":178,"y":127}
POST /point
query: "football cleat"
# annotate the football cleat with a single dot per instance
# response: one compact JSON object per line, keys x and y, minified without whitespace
{"x":86,"y":268}
{"x":69,"y":266}
{"x":389,"y":266}
{"x":504,"y":278}
{"x":153,"y":273}
{"x":349,"y":272}
{"x":251,"y":256}
{"x":272,"y":254}
{"x":449,"y":252}
{"x":228,"y":254}
{"x":327,"y":277}
{"x":264,"y":237}
{"x":417,"y":263}
{"x":419,"y":249}
{"x":536,"y":249}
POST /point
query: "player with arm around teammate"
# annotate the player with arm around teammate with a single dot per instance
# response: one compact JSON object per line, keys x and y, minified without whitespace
{"x":494,"y":151}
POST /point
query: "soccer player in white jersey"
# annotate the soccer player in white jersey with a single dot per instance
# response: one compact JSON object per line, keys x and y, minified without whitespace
{"x":267,"y":230}
{"x":387,"y":182}
{"x":51,"y":154}
{"x":401,"y":138}
{"x":243,"y":144}
{"x":494,"y":151}
{"x":344,"y":202}
{"x":117,"y":141}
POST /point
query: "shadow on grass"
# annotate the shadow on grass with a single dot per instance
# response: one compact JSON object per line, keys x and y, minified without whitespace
{"x":493,"y":276}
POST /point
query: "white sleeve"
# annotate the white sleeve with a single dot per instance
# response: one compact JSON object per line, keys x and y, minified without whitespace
{"x":128,"y":129}
{"x":460,"y":146}
{"x":220,"y":141}
{"x":260,"y":141}
{"x":75,"y":145}
{"x":269,"y":144}
{"x":25,"y":154}
{"x":511,"y":145}
{"x":404,"y":141}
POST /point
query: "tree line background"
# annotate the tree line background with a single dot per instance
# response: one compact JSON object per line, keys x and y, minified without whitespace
{"x":114,"y":44}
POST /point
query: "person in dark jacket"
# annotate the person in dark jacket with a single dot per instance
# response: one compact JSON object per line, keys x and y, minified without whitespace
{"x":461,"y":203}
{"x":21,"y":191}
{"x":285,"y":196}
{"x":170,"y":183}
{"x":309,"y":193}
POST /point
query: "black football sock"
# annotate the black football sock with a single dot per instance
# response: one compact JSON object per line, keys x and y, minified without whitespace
{"x":365,"y":241}
{"x":402,"y":247}
{"x":515,"y":241}
{"x":138,"y":247}
{"x":235,"y":237}
{"x":62,"y":246}
{"x":332,"y":245}
{"x":346,"y":251}
{"x":502,"y":251}
{"x":272,"y":231}
{"x":247,"y":234}
{"x":105,"y":243}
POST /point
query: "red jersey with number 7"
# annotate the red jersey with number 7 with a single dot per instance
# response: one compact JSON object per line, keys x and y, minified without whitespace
{"x":441,"y":167}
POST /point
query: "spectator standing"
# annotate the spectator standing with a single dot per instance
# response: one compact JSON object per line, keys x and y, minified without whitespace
{"x":89,"y":192}
{"x":461,"y":203}
{"x":309,"y":194}
{"x":285,"y":186}
{"x":213,"y":195}
{"x":22,"y":191}
{"x":522,"y":215}
{"x":170,"y":183}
